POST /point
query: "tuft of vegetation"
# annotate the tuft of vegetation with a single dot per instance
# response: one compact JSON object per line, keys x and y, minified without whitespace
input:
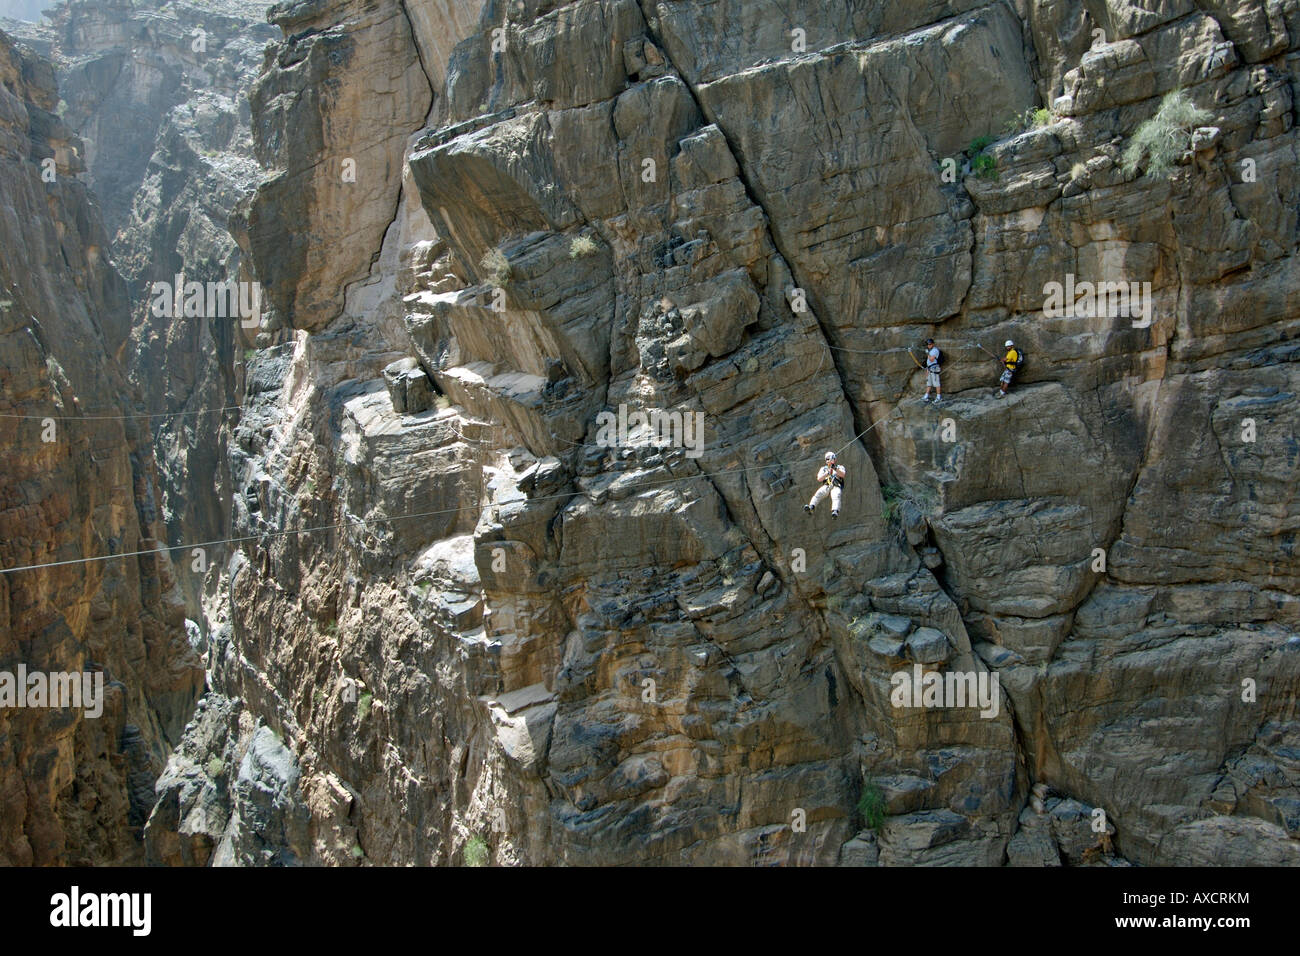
{"x":476,"y":851}
{"x":1078,"y":171}
{"x":581,"y":247}
{"x":363,"y":705}
{"x":357,"y":852}
{"x":981,"y":163}
{"x":332,"y":628}
{"x":1163,"y":139}
{"x":215,"y":766}
{"x":248,"y":355}
{"x":727,"y":566}
{"x":496,"y":266}
{"x":1029,"y":119}
{"x":895,"y":495}
{"x":872,"y":807}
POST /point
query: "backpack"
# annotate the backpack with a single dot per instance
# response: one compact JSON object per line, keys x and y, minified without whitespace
{"x":1020,"y":362}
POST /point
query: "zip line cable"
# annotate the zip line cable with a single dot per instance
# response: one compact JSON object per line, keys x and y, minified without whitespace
{"x":120,"y":418}
{"x":395,"y":518}
{"x":231,"y":408}
{"x":427,"y":514}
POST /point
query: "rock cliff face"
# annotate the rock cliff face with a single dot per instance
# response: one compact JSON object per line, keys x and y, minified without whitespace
{"x":465,"y":618}
{"x":78,"y":479}
{"x":158,"y":91}
{"x":464,"y":612}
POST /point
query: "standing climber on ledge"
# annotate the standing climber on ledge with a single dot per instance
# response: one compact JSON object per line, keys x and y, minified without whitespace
{"x":831,"y":479}
{"x":1009,"y":364}
{"x":932,"y":360}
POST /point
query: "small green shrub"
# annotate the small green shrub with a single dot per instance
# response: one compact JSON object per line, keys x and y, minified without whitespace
{"x":248,"y":355}
{"x":581,"y":247}
{"x":496,"y":266}
{"x":476,"y":851}
{"x":1078,"y":171}
{"x":891,"y":495}
{"x":1164,"y":138}
{"x":981,"y":163}
{"x":872,"y":807}
{"x":894,"y":495}
{"x":363,"y":705}
{"x":978,"y":146}
{"x":1029,"y":119}
{"x":215,"y":766}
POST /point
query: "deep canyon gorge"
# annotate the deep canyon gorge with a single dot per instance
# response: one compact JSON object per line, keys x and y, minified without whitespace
{"x":369,"y":582}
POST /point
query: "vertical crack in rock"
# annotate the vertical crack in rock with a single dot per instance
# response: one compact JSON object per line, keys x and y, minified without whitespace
{"x":752,"y":194}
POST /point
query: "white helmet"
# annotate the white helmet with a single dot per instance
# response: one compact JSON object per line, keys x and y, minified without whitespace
{"x":1008,"y":343}
{"x":830,"y":456}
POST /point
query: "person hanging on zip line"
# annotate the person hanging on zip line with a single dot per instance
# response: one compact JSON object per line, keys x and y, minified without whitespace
{"x":932,"y":369}
{"x":1009,"y":365}
{"x":831,"y":479}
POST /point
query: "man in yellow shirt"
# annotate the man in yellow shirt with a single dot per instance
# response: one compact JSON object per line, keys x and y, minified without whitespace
{"x":1009,"y":366}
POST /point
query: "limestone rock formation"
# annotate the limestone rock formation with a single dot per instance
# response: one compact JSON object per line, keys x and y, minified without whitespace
{"x":597,"y":654}
{"x":78,"y":479}
{"x":565,"y":300}
{"x":158,"y":91}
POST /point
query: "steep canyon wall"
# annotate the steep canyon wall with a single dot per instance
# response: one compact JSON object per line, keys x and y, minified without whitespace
{"x":713,"y":207}
{"x":454,"y":615}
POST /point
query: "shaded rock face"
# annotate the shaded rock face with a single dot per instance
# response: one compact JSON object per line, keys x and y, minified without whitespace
{"x":76,"y":786}
{"x":477,"y":618}
{"x":157,"y":91}
{"x":130,"y":70}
